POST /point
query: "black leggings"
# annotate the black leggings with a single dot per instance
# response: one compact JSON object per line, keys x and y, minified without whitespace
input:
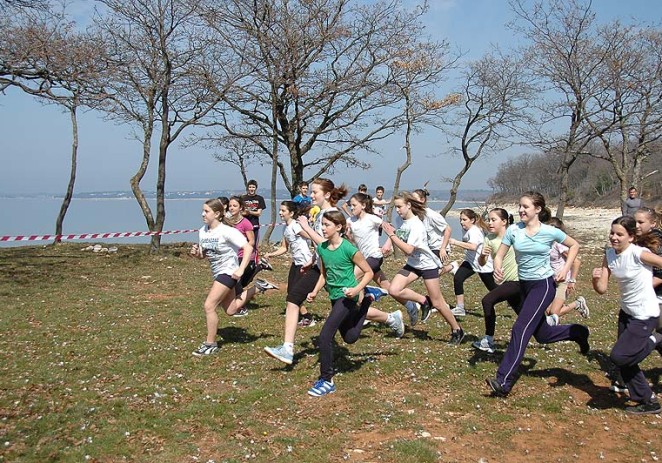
{"x":464,"y":272}
{"x":347,"y":317}
{"x":506,"y":291}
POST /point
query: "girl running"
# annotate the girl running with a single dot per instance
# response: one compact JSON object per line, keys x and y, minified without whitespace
{"x":220,"y":243}
{"x":630,"y":263}
{"x":324,"y":195}
{"x":295,"y":241}
{"x":472,"y":241}
{"x":498,"y":221}
{"x":338,"y":257}
{"x":557,"y":257}
{"x":235,"y":218}
{"x":412,"y":239}
{"x":438,"y":230}
{"x":363,"y":230}
{"x":532,"y":240}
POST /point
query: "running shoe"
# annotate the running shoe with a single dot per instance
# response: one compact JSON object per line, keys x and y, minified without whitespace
{"x":264,"y":285}
{"x":582,"y":307}
{"x":617,"y":386}
{"x":412,"y":309}
{"x":459,"y":311}
{"x":426,"y":307}
{"x":456,"y":337}
{"x":322,"y":388}
{"x":375,"y":292}
{"x":264,"y":264}
{"x":645,"y":408}
{"x":242,"y":312}
{"x":552,"y":320}
{"x":307,"y":320}
{"x":496,"y":389}
{"x":486,"y":344}
{"x":206,"y":349}
{"x":396,"y":323}
{"x":584,"y":346}
{"x":280,"y":353}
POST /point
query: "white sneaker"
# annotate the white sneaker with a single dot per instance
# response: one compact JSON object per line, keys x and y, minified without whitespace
{"x":552,"y":320}
{"x":459,"y":311}
{"x":582,"y":307}
{"x":264,"y":285}
{"x":396,"y":323}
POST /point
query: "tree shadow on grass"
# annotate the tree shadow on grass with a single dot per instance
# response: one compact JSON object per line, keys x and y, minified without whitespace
{"x":239,"y":335}
{"x":344,"y":361}
{"x":601,"y":397}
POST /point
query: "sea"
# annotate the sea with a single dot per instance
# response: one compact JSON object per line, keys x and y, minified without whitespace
{"x":112,"y":214}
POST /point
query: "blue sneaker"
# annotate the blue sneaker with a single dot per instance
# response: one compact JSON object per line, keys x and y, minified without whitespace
{"x":375,"y":292}
{"x":412,"y":310}
{"x":280,"y":353}
{"x":321,"y":388}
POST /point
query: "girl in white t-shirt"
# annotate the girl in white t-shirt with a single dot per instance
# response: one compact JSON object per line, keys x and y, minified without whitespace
{"x":411,"y":238}
{"x":363,"y":230}
{"x":472,"y":241}
{"x":630,"y":262}
{"x":438,"y":230}
{"x":220,"y":244}
{"x":295,"y":240}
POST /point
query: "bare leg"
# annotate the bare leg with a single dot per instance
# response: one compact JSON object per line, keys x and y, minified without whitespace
{"x":439,"y":303}
{"x":217,"y":293}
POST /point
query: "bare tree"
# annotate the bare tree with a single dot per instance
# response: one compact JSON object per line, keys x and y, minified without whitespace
{"x":415,"y":77}
{"x":563,"y":56}
{"x":158,"y":50}
{"x":320,"y":79}
{"x":495,"y":95}
{"x":43,"y":54}
{"x":630,"y":120}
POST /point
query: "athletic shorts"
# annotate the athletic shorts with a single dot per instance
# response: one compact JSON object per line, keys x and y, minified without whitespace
{"x":561,"y":290}
{"x":429,"y":274}
{"x":305,"y":284}
{"x":375,"y":264}
{"x":229,"y":282}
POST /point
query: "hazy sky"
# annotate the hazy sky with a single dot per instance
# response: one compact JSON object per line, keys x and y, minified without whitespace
{"x":35,"y":140}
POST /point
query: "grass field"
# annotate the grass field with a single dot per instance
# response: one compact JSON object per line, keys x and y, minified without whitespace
{"x":96,"y":365}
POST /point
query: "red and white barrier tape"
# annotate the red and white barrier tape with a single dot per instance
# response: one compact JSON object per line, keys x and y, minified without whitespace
{"x":87,"y":236}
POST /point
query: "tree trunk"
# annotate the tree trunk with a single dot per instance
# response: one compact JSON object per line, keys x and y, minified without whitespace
{"x":155,"y":242}
{"x":274,"y":178}
{"x":140,"y":173}
{"x":72,"y":174}
{"x":401,"y":168}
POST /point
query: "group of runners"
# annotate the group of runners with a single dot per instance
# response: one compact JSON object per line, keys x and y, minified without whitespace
{"x":531,"y":264}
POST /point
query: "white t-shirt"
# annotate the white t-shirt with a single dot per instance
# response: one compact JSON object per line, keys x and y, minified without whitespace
{"x":297,"y":244}
{"x":220,"y":245}
{"x":476,"y":236}
{"x":557,"y":259}
{"x":435,"y":225}
{"x":635,"y":282}
{"x":413,"y":233}
{"x":365,"y":232}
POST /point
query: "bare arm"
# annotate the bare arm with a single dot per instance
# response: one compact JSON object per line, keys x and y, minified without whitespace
{"x":600,"y":277}
{"x":573,"y":249}
{"x":498,"y":262}
{"x":402,"y":245}
{"x":282,"y":249}
{"x":362,"y":264}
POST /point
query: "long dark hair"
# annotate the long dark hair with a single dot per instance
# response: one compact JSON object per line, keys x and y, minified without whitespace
{"x":649,"y":240}
{"x":365,"y":200}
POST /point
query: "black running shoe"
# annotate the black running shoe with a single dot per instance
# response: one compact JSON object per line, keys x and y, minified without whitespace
{"x":497,"y":389}
{"x":426,"y":309}
{"x":456,"y":337}
{"x":645,"y":408}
